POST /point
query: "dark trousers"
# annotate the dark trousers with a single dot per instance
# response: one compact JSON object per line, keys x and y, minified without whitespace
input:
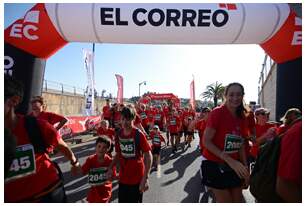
{"x":129,"y":194}
{"x":56,"y":196}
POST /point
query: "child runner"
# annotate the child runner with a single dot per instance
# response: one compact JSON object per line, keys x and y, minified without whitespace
{"x":156,"y":138}
{"x":96,"y":167}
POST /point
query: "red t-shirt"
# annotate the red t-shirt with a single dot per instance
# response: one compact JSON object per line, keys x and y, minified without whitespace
{"x":200,"y":126}
{"x":260,"y":130}
{"x":132,"y":170}
{"x":144,"y":118}
{"x":225,"y":124}
{"x":290,"y":161}
{"x":50,"y":117}
{"x":137,"y":120}
{"x":150,"y":113}
{"x":46,"y":173}
{"x":174,"y":124}
{"x":156,"y":138}
{"x":107,"y":112}
{"x":281,"y":129}
{"x":100,"y":193}
{"x":108,"y":132}
{"x":117,"y":119}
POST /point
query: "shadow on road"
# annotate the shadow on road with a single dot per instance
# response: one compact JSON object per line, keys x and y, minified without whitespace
{"x":180,"y":165}
{"x":193,"y":188}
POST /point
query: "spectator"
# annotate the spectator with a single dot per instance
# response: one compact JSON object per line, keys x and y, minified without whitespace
{"x":289,"y":174}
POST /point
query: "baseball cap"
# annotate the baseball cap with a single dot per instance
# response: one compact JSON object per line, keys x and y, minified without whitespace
{"x":155,"y":127}
{"x":290,"y":111}
{"x":261,"y":111}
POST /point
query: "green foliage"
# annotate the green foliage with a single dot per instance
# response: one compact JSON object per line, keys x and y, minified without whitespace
{"x":214,"y":92}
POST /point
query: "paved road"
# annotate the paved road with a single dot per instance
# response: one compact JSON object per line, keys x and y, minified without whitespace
{"x":179,"y":180}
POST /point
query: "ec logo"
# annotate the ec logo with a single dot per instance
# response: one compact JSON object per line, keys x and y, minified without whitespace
{"x":19,"y":30}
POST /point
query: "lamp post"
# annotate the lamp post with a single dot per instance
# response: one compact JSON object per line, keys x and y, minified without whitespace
{"x":144,"y":82}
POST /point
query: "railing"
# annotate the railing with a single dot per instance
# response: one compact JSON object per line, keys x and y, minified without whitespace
{"x":62,"y":88}
{"x":268,"y":63}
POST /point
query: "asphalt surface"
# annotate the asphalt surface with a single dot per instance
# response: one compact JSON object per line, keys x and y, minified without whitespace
{"x":179,"y":179}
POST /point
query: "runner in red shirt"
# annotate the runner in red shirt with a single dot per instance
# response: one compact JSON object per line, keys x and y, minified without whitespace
{"x":166,"y":112}
{"x":109,"y":132}
{"x":38,"y":104}
{"x":133,"y":153}
{"x":188,"y":113}
{"x":96,"y":166}
{"x":144,"y":118}
{"x":157,"y":139}
{"x":289,"y":174}
{"x":225,"y":168}
{"x":106,"y":111}
{"x":159,"y":118}
{"x":174,"y":123}
{"x":32,"y":177}
{"x":201,"y":125}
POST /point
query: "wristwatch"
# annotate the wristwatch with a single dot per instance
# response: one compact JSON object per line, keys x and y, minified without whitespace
{"x":75,"y":162}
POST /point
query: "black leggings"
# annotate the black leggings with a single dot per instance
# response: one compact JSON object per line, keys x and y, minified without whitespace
{"x":129,"y":194}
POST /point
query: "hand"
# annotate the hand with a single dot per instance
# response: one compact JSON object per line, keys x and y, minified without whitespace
{"x":75,"y":169}
{"x":241,"y":170}
{"x":144,"y":184}
{"x":109,"y":174}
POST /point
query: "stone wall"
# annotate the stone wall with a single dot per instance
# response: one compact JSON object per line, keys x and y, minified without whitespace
{"x":268,"y":92}
{"x":69,"y":104}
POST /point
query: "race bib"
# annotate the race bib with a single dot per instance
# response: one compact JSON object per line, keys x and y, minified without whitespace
{"x":97,"y":176}
{"x":156,"y":140}
{"x":232,"y":143}
{"x":143,"y":115}
{"x":23,"y":164}
{"x":127,"y":147}
{"x":173,"y":122}
{"x":157,"y":117}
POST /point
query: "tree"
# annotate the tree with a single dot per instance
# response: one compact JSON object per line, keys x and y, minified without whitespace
{"x":215,"y":92}
{"x":103,"y":93}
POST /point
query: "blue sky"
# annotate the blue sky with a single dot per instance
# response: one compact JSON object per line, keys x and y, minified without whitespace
{"x":166,"y":68}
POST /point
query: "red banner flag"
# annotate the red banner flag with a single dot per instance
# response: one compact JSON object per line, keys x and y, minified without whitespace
{"x":120,"y":88}
{"x":192,"y":94}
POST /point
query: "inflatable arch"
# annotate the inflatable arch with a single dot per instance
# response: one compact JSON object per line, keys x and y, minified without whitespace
{"x":48,"y":27}
{"x":157,"y":96}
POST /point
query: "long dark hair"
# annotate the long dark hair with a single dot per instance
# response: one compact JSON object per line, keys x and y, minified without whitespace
{"x":240,"y":110}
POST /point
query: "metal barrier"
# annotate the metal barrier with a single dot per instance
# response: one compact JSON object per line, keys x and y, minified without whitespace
{"x":61,"y":88}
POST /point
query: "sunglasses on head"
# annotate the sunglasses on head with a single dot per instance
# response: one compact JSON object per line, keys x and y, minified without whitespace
{"x":263,"y":113}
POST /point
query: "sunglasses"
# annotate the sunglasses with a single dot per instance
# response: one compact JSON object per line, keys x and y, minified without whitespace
{"x":263,"y":113}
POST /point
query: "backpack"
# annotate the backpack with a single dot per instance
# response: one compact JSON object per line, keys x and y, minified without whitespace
{"x":34,"y":134}
{"x":36,"y":139}
{"x":40,"y":146}
{"x":264,"y":174}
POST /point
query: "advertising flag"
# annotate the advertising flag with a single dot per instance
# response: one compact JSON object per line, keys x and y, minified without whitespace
{"x":88,"y":64}
{"x":120,"y":88}
{"x":192,"y":94}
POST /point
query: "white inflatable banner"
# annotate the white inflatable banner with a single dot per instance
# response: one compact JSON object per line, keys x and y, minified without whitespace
{"x":274,"y":27}
{"x":167,"y":23}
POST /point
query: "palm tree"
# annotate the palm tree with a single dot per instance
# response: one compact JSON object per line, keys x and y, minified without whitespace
{"x":215,"y":92}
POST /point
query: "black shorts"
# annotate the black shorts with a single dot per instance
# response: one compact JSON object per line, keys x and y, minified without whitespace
{"x":189,"y":133}
{"x":219,"y":176}
{"x":156,"y":150}
{"x":173,"y":134}
{"x":129,"y":194}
